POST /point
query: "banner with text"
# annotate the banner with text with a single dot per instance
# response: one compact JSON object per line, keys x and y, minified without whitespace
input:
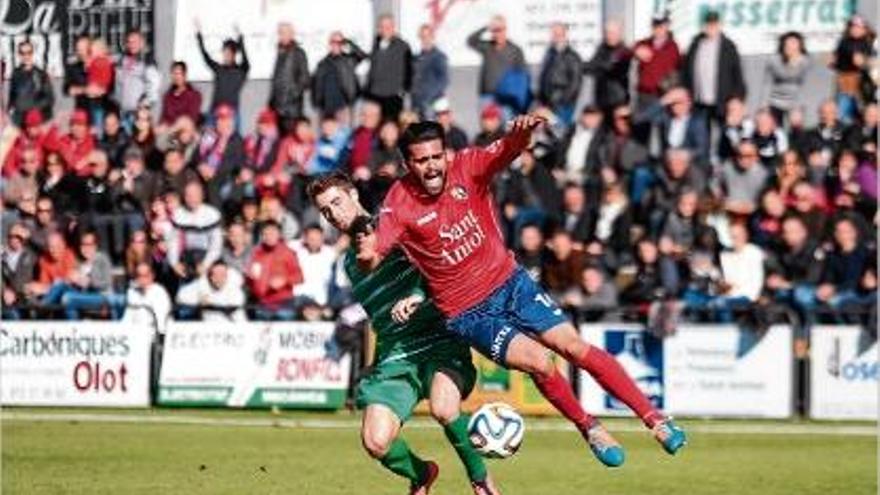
{"x":756,"y":25}
{"x":38,"y":21}
{"x":844,"y":373}
{"x":51,"y":363}
{"x":109,"y":20}
{"x":528,"y":24}
{"x":252,"y":365}
{"x":702,"y":370}
{"x":258,"y":23}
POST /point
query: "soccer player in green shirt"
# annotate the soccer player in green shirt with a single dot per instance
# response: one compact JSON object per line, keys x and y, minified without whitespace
{"x":415,"y":357}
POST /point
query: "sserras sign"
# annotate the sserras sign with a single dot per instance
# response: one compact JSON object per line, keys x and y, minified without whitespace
{"x":74,"y":364}
{"x":844,"y":373}
{"x":252,"y":365}
{"x":702,"y":370}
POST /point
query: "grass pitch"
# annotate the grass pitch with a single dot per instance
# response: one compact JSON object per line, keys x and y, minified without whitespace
{"x":221,"y":452}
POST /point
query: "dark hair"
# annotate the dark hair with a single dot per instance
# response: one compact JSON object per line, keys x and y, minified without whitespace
{"x":420,"y":132}
{"x":230,"y":44}
{"x":179,"y":63}
{"x":270,"y":223}
{"x":133,"y":31}
{"x":784,"y":37}
{"x":324,"y":182}
{"x":313,"y":226}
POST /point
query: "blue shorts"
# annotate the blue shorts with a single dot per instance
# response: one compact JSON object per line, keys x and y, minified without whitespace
{"x":518,"y":306}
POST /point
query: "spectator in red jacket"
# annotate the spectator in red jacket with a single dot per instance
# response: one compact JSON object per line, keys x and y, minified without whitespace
{"x":78,"y":144}
{"x":272,"y":272}
{"x":658,"y":58}
{"x":181,"y":98}
{"x":364,"y":139}
{"x":100,"y":77}
{"x":37,"y":136}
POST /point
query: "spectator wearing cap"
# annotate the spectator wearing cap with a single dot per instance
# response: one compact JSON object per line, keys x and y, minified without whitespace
{"x":19,"y":264}
{"x":850,"y":61}
{"x":593,"y":296}
{"x":491,"y":128}
{"x":499,"y":56}
{"x":261,"y":147}
{"x":679,"y":125}
{"x":391,"y":69}
{"x":559,"y":84}
{"x":456,"y":138}
{"x":147,"y":302}
{"x":609,"y":68}
{"x":334,"y":83}
{"x":114,"y":139}
{"x":229,"y":74}
{"x":137,"y":78}
{"x":29,"y":87}
{"x":78,"y":144}
{"x":290,"y":78}
{"x":41,"y":137}
{"x":216,"y":296}
{"x":196,"y":240}
{"x":272,"y":273}
{"x":743,"y":179}
{"x":712,"y":70}
{"x":181,"y":98}
{"x":587,"y":148}
{"x":221,"y":154}
{"x":658,"y":60}
{"x":785,"y":75}
{"x":430,"y":74}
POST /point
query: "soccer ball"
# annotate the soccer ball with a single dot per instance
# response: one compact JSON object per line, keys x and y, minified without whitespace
{"x":496,"y":430}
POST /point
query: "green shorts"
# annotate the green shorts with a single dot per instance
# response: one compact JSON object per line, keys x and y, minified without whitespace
{"x":402,"y":387}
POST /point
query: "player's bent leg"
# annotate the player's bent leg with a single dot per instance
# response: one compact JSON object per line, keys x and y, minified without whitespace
{"x":379,"y":435}
{"x":564,"y":339}
{"x":445,"y":404}
{"x":525,"y":354}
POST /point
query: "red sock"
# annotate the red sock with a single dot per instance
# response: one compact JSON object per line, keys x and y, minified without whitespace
{"x":556,"y":389}
{"x":613,"y":378}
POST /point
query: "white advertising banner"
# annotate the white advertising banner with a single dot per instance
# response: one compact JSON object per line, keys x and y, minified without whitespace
{"x":702,"y":370}
{"x":844,"y":373}
{"x":528,"y":24}
{"x":720,"y":370}
{"x":253,"y":364}
{"x":258,"y":22}
{"x":756,"y":25}
{"x":61,"y":363}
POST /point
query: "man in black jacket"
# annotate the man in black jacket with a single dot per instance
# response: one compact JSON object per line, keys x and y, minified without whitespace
{"x":712,"y":70}
{"x":75,"y":79}
{"x":560,"y":80}
{"x":229,"y":76}
{"x":29,"y":87}
{"x":334,"y":85}
{"x":290,"y":78}
{"x":610,"y":69}
{"x":391,"y":66}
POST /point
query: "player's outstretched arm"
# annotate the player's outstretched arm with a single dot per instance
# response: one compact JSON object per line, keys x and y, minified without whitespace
{"x":497,"y":156}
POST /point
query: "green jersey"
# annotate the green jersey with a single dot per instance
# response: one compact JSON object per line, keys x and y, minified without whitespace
{"x":421,"y":338}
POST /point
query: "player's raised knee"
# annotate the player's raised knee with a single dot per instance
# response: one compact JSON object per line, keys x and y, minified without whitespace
{"x":443,"y":411}
{"x":376,"y":442}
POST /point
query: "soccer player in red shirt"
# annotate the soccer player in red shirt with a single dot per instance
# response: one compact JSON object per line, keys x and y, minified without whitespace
{"x":442,"y":215}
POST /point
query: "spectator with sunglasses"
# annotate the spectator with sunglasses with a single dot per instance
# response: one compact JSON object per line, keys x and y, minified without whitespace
{"x":29,"y":87}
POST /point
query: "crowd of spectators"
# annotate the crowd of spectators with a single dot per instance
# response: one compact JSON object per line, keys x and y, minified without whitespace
{"x":663,"y":194}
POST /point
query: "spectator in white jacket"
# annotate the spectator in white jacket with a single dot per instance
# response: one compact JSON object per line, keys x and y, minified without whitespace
{"x":219,"y":294}
{"x":147,"y":302}
{"x":742,"y":269}
{"x":195,"y":240}
{"x":317,"y":260}
{"x":137,"y":78}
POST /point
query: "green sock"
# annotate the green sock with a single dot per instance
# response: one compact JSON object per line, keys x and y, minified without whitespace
{"x":456,"y":433}
{"x":402,"y":462}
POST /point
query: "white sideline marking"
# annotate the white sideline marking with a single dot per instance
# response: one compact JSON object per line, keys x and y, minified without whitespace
{"x":331,"y":424}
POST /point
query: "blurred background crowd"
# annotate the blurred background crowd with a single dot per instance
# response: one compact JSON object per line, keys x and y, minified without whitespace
{"x":663,"y":197}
